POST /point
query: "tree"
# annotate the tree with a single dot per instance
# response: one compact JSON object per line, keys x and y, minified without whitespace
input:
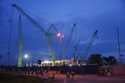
{"x":95,"y":59}
{"x":39,"y":62}
{"x":105,"y":60}
{"x":111,"y":60}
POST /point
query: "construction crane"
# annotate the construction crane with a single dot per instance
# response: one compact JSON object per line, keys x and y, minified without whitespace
{"x":52,"y":30}
{"x":90,"y":43}
{"x":119,"y":45}
{"x":47,"y":33}
{"x":64,"y":50}
{"x":75,"y":52}
{"x":20,"y":42}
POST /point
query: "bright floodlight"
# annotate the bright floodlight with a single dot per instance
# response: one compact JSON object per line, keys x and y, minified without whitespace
{"x":58,"y":34}
{"x":26,"y":56}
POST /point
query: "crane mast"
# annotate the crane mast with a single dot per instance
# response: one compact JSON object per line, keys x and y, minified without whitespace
{"x":20,"y":43}
{"x":119,"y":45}
{"x":47,"y":33}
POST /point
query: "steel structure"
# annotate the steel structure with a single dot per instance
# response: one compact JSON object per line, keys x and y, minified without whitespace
{"x":20,"y":43}
{"x":92,"y":39}
{"x":47,"y":33}
{"x":68,"y":40}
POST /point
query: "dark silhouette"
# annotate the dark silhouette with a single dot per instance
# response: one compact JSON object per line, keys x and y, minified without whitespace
{"x":111,"y":60}
{"x":39,"y":62}
{"x":95,"y":59}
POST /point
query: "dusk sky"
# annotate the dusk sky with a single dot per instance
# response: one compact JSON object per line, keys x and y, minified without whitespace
{"x":88,"y":15}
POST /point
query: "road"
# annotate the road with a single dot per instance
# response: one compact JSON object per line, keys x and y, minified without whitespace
{"x":61,"y":78}
{"x":91,"y":79}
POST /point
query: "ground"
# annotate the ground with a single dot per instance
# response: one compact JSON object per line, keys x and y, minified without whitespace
{"x":60,"y":78}
{"x":93,"y":79}
{"x":9,"y":78}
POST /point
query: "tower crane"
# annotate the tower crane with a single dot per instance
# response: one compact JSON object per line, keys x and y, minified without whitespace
{"x":48,"y":34}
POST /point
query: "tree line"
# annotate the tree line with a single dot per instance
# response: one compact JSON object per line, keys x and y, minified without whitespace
{"x":101,"y":60}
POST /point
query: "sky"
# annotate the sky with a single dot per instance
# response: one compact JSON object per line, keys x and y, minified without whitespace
{"x":88,"y":15}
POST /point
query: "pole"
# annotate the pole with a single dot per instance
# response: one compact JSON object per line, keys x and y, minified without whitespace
{"x":20,"y":43}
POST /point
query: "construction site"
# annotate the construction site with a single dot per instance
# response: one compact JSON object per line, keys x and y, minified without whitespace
{"x":61,"y":52}
{"x":51,"y":34}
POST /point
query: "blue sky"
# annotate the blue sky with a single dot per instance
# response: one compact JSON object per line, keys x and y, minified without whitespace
{"x":89,"y":15}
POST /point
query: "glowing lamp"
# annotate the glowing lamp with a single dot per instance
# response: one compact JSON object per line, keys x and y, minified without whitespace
{"x":26,"y":56}
{"x":58,"y":34}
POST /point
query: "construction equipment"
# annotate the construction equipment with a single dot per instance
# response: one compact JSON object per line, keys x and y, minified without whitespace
{"x":75,"y":52}
{"x":119,"y":46}
{"x":76,"y":46}
{"x":69,"y":40}
{"x":118,"y":41}
{"x":20,"y":42}
{"x":47,"y":33}
{"x":90,"y":43}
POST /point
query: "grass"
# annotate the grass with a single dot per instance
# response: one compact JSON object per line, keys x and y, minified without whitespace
{"x":8,"y":78}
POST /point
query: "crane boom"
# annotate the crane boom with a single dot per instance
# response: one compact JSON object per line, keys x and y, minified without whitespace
{"x":46,"y":33}
{"x":69,"y":39}
{"x":52,"y":27}
{"x":29,"y":17}
{"x":91,"y":42}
